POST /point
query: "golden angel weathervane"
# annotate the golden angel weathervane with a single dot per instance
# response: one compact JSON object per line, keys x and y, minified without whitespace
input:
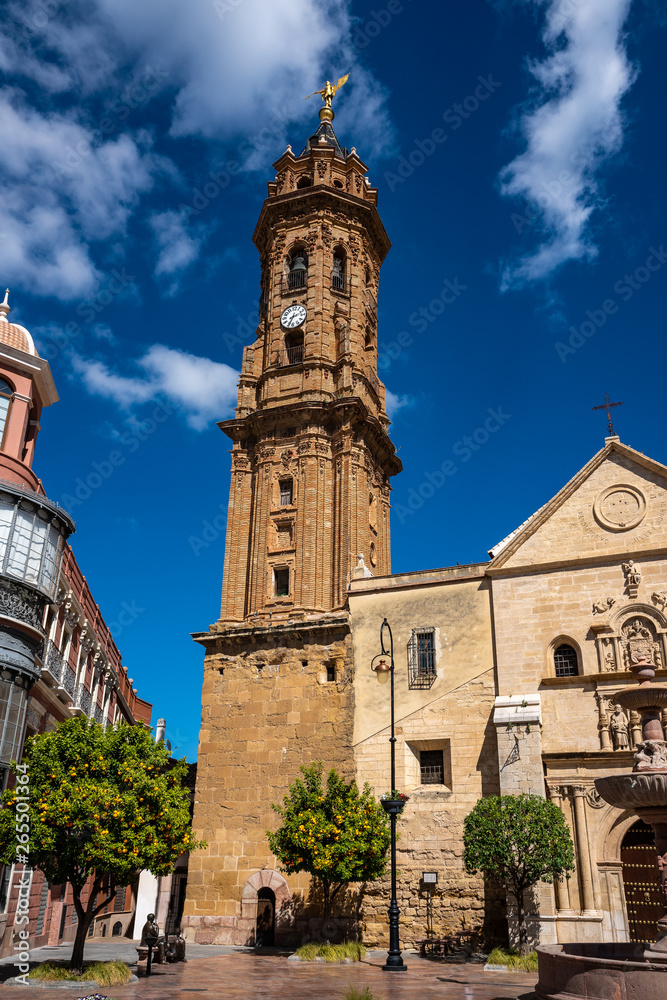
{"x":327,"y":92}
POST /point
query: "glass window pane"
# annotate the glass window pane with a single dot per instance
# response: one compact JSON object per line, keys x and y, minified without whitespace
{"x":37,"y":541}
{"x":19,"y":544}
{"x":50,"y":560}
{"x":4,"y":407}
{"x":6,"y":514}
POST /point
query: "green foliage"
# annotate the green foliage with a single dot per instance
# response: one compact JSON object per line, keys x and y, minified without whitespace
{"x":513,"y":960}
{"x":517,"y":840}
{"x":353,"y":993}
{"x":332,"y":952}
{"x":114,"y":973}
{"x":99,"y":803}
{"x":338,"y":835}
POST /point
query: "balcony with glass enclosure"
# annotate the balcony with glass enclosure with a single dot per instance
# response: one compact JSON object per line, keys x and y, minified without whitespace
{"x":32,"y":538}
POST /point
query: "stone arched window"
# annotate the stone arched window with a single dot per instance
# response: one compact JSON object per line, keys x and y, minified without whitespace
{"x":566,"y":660}
{"x":305,"y":181}
{"x":339,"y":270}
{"x":297,"y":268}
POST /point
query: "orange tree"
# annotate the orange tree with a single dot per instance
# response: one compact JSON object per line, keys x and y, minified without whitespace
{"x":518,"y":841}
{"x":338,"y":834}
{"x":98,"y":804}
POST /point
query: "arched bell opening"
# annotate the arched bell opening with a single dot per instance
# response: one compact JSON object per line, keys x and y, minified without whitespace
{"x":339,"y":270}
{"x":297,"y":268}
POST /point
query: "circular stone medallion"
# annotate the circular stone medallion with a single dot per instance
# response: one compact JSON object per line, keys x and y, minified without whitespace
{"x":620,"y":507}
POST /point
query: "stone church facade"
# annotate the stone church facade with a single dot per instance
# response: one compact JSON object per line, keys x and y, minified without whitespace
{"x":505,"y":670}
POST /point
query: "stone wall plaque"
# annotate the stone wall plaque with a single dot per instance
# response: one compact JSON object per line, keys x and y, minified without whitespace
{"x":620,"y":507}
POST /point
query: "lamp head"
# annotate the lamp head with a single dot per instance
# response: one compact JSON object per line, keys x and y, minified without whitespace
{"x":382,"y":670}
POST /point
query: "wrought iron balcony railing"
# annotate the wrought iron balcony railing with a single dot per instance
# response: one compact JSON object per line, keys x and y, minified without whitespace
{"x":82,"y":699}
{"x":68,"y":679}
{"x":294,"y":281}
{"x":53,"y":661}
{"x":339,"y":282}
{"x":290,"y":356}
{"x":99,"y":714}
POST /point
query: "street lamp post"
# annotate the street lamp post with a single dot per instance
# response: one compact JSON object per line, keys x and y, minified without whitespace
{"x":393,"y":807}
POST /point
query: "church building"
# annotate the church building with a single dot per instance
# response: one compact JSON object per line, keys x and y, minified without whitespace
{"x":505,"y":670}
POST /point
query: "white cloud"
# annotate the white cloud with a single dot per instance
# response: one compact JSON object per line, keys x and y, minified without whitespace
{"x":230,"y":70}
{"x":178,"y":245}
{"x":573,"y":126}
{"x":204,"y":390}
{"x":395,"y":403}
{"x":60,"y":192}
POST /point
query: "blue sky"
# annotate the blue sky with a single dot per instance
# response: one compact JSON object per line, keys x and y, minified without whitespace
{"x":519,"y":152}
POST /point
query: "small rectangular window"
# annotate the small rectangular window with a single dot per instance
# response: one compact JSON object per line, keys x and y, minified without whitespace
{"x":281,"y":577}
{"x":286,"y":492}
{"x":422,"y":671}
{"x":431,"y":767}
{"x":331,"y":672}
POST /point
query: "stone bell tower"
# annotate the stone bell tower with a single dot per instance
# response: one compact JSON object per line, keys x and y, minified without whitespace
{"x":309,"y":496}
{"x":311,"y":459}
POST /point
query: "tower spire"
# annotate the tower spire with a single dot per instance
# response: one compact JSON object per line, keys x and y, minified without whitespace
{"x":5,"y":307}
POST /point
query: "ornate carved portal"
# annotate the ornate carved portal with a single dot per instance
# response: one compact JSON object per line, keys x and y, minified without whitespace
{"x":631,"y":633}
{"x":638,"y":638}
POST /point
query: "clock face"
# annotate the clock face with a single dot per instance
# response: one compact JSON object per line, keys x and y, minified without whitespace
{"x":293,"y":316}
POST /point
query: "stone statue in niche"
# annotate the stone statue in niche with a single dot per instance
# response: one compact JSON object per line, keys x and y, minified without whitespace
{"x":608,"y":655}
{"x":633,"y":577}
{"x":602,"y":607}
{"x":618,"y":725}
{"x":651,"y":756}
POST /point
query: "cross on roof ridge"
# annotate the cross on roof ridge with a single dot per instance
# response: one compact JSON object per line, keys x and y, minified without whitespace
{"x":607,"y":405}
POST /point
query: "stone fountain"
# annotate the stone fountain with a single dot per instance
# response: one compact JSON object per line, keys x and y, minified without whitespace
{"x":619,"y":971}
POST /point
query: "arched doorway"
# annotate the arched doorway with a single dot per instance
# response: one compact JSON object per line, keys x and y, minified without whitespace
{"x":266,"y":918}
{"x":640,"y":881}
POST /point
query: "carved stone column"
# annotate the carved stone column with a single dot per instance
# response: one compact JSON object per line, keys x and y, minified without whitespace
{"x":603,"y":721}
{"x":585,"y":870}
{"x":561,"y":885}
{"x":635,"y":730}
{"x":664,"y":722}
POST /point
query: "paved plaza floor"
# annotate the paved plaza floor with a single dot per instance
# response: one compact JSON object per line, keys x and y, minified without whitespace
{"x":234,"y":974}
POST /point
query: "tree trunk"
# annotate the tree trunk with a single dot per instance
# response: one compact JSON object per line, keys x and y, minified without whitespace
{"x":524,"y":950}
{"x":326,"y":907}
{"x":76,"y":962}
{"x":84,"y":920}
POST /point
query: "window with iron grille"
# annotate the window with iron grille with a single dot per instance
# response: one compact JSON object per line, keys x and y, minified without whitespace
{"x":286,"y":492}
{"x":431,"y":767}
{"x":566,"y":661}
{"x":421,"y":658}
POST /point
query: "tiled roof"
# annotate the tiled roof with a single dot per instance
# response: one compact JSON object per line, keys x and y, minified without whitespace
{"x":325,"y":130}
{"x":17,"y":337}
